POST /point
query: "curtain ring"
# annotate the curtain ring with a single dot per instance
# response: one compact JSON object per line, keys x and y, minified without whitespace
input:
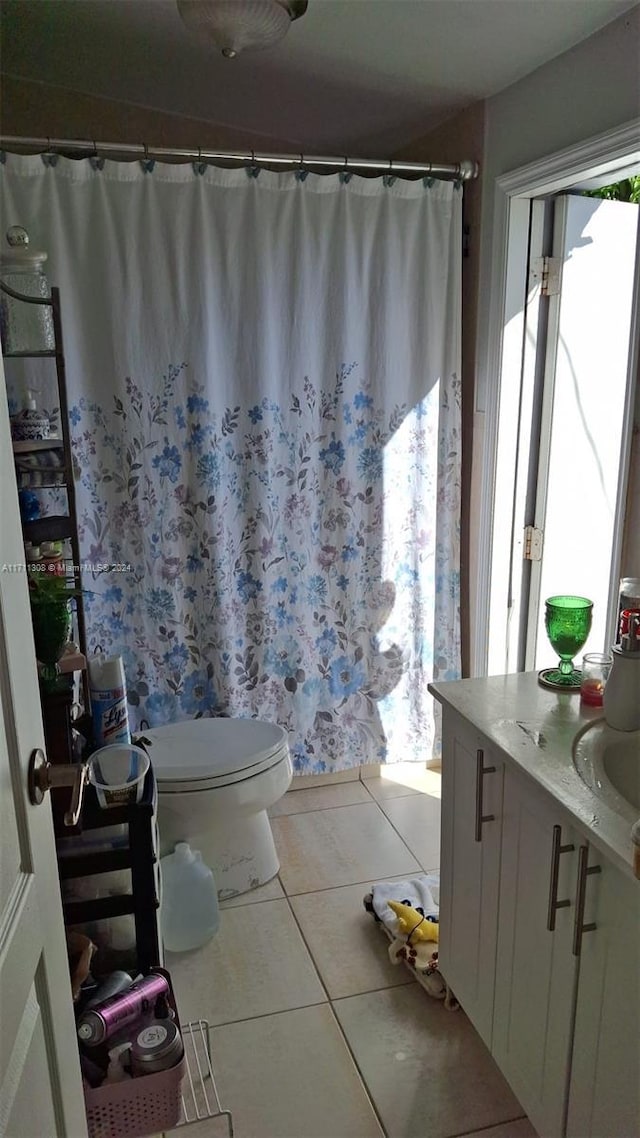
{"x":146,"y":151}
{"x":301,"y":163}
{"x":199,"y":154}
{"x":95,"y":148}
{"x":390,"y":165}
{"x":346,"y":162}
{"x":253,"y":157}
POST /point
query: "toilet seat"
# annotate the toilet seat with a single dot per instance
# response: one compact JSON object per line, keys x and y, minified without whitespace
{"x":202,"y":754}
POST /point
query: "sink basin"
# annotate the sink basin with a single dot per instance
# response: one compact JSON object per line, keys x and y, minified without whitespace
{"x":608,"y":762}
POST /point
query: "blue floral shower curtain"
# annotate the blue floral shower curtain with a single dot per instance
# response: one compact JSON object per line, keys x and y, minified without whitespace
{"x":265,"y":404}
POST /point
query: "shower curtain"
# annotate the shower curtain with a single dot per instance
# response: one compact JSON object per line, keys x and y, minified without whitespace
{"x":263,"y":382}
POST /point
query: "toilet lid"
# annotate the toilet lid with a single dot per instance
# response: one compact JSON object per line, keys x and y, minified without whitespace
{"x":202,"y":753}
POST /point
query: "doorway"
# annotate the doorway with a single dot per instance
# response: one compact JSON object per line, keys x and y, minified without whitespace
{"x":564,"y":420}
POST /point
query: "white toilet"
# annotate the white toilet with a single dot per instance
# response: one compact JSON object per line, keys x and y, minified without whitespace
{"x":216,"y":779}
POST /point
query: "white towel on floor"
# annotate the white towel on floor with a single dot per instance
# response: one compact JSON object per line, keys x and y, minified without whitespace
{"x":422,"y":892}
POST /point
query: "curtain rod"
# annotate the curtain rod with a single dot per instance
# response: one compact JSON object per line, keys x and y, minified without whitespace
{"x":463,"y":171}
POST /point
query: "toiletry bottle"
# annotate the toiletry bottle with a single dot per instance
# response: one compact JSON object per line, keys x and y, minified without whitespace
{"x":100,"y":1023}
{"x":115,"y":983}
{"x":115,"y":1071}
{"x":622,"y":691}
{"x":108,"y":691}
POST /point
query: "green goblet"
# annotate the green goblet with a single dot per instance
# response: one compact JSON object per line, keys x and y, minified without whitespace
{"x":568,"y":623}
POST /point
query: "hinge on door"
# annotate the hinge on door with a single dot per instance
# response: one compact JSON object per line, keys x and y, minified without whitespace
{"x":532,"y":544}
{"x":546,"y":272}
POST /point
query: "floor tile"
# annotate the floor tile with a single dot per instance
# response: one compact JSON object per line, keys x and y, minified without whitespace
{"x":341,"y":846}
{"x":256,"y":964}
{"x":348,"y":949}
{"x":397,"y":780}
{"x":425,"y":1068}
{"x":417,"y":820}
{"x":210,"y":1128}
{"x":320,"y":798}
{"x":519,"y":1128}
{"x":290,"y":1076}
{"x":269,"y":892}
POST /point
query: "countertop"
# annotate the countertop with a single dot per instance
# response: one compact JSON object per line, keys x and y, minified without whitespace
{"x":534,"y":728}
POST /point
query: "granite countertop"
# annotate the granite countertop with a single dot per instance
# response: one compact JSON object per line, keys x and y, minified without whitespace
{"x":535,"y":728}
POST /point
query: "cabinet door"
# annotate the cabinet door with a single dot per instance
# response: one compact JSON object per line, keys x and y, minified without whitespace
{"x":536,"y":971}
{"x":604,"y":1092}
{"x":469,"y":869}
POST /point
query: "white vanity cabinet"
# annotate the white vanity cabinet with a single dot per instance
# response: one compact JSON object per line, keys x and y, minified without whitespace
{"x":540,"y":942}
{"x":469,"y":869}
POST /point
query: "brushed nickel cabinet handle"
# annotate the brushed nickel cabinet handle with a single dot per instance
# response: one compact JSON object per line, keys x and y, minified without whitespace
{"x":481,"y":771}
{"x":584,"y":871}
{"x":556,"y":849}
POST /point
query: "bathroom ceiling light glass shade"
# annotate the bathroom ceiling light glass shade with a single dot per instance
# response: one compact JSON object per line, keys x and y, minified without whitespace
{"x":240,"y":25}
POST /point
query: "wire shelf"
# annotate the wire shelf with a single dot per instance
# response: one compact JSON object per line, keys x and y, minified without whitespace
{"x":199,"y":1090}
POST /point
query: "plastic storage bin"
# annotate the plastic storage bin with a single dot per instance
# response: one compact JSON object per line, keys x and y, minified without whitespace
{"x":189,"y":914}
{"x":135,"y":1108}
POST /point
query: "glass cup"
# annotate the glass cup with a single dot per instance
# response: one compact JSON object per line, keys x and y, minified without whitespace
{"x":595,"y":672}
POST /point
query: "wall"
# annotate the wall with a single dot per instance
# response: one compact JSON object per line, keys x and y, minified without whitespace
{"x":37,"y":110}
{"x":458,"y":138}
{"x":588,"y":90}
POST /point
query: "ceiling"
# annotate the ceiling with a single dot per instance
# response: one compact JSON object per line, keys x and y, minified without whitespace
{"x":357,"y":76}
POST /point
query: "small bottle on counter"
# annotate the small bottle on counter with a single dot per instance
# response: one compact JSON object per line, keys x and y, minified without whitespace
{"x":620,"y":701}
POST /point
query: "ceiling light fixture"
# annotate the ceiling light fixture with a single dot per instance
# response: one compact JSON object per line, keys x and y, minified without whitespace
{"x":241,"y":25}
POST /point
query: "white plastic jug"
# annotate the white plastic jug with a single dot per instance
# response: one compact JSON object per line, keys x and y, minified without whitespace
{"x":189,"y":914}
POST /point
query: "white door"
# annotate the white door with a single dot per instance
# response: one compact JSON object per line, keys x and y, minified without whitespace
{"x":566,"y":413}
{"x":587,"y":405}
{"x":469,"y":869}
{"x":40,"y":1083}
{"x":536,"y":971}
{"x":604,"y":1095}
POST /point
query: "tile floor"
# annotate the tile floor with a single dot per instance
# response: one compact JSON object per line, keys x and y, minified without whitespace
{"x":314,"y":1033}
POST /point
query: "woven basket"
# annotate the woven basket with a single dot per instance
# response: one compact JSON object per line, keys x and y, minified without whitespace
{"x":145,"y":1105}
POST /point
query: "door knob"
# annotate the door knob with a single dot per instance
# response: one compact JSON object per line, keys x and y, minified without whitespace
{"x":43,"y":775}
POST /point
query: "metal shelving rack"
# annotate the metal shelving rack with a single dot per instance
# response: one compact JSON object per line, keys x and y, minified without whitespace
{"x":200,"y":1097}
{"x":55,"y":527}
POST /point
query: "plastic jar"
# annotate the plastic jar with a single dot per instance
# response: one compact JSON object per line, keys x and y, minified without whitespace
{"x":24,"y":327}
{"x":156,"y":1047}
